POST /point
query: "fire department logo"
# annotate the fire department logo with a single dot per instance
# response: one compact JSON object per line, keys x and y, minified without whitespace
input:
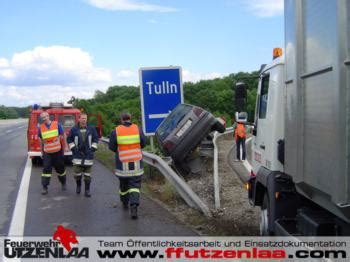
{"x":65,"y":236}
{"x":57,"y":247}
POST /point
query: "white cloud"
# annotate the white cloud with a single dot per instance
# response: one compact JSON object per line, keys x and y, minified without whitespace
{"x":3,"y":62}
{"x":265,"y":8}
{"x":24,"y":96}
{"x":188,"y":76}
{"x":54,"y":65}
{"x":126,"y":74}
{"x":129,"y":5}
{"x":127,"y":77}
{"x":7,"y":74}
{"x":47,"y":74}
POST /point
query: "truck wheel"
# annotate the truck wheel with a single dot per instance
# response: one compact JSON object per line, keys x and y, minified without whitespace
{"x":264,"y":217}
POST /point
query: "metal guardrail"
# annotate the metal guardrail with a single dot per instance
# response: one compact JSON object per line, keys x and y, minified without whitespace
{"x":216,"y":167}
{"x":180,"y":185}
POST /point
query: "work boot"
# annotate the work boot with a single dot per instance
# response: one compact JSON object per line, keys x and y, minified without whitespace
{"x":64,"y":188}
{"x":87,"y":189}
{"x":44,"y":191}
{"x":133,"y":211}
{"x":78,"y":186}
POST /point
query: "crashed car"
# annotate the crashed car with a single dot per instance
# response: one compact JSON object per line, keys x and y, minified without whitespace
{"x":183,"y":130}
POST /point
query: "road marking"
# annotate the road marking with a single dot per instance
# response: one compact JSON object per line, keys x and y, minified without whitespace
{"x":8,"y":131}
{"x":246,"y":164}
{"x":19,"y":214}
{"x":153,"y":116}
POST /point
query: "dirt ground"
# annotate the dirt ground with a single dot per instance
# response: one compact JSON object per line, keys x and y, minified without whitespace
{"x":242,"y":217}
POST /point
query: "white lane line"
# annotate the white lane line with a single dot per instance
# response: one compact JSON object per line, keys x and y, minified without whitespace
{"x":19,"y":214}
{"x":245,"y":162}
{"x":8,"y":131}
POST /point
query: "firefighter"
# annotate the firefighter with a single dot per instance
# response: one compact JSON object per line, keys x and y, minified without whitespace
{"x":240,"y":136}
{"x":53,"y":141}
{"x":82,"y":140}
{"x":126,"y":141}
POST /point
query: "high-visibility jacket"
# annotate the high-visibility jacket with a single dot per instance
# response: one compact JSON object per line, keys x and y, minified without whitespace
{"x":128,"y":140}
{"x":51,"y":137}
{"x":240,"y":131}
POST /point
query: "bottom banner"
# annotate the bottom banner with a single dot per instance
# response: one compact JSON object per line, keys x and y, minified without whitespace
{"x":65,"y":245}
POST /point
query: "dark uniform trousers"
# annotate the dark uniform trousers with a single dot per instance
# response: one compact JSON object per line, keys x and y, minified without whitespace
{"x":130,"y":189}
{"x":240,"y":142}
{"x":57,"y":161}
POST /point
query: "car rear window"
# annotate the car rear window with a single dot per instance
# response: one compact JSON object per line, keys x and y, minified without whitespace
{"x":66,"y":120}
{"x":172,"y":120}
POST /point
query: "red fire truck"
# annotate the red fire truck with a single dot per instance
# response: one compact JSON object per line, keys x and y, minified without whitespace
{"x":65,"y":114}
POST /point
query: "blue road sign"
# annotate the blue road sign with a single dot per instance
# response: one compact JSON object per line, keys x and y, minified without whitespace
{"x":161,"y":92}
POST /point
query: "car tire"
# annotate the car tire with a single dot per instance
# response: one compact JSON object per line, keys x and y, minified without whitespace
{"x":218,"y":127}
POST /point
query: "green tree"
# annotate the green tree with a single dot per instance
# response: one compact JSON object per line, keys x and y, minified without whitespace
{"x":8,"y":113}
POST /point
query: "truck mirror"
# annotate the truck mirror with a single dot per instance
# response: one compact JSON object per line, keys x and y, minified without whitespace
{"x":240,"y":96}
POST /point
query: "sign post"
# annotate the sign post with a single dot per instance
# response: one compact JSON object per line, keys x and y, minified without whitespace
{"x":160,"y":92}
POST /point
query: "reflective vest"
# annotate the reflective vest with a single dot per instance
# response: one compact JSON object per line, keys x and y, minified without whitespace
{"x":128,"y":139}
{"x":240,"y":131}
{"x":51,"y":138}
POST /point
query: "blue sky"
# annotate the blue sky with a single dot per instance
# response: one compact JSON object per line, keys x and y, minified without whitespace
{"x":53,"y":49}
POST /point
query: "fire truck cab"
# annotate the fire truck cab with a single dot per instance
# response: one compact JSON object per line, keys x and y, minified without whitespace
{"x":65,"y":114}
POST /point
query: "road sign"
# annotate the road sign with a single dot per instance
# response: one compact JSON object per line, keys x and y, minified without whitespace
{"x":161,"y":92}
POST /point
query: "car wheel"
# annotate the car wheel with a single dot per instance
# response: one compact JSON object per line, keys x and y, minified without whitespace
{"x":218,"y":126}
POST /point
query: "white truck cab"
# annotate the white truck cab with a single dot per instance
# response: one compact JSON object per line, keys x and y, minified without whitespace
{"x":269,"y":118}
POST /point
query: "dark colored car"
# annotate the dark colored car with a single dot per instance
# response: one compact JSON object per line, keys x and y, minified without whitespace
{"x":183,"y":130}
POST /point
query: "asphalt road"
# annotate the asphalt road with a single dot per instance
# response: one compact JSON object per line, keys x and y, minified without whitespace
{"x":100,"y":215}
{"x":13,"y":152}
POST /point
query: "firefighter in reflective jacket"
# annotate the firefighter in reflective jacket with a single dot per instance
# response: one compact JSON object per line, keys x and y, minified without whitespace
{"x":83,"y":140}
{"x":53,"y":141}
{"x":240,"y":136}
{"x":126,"y":141}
